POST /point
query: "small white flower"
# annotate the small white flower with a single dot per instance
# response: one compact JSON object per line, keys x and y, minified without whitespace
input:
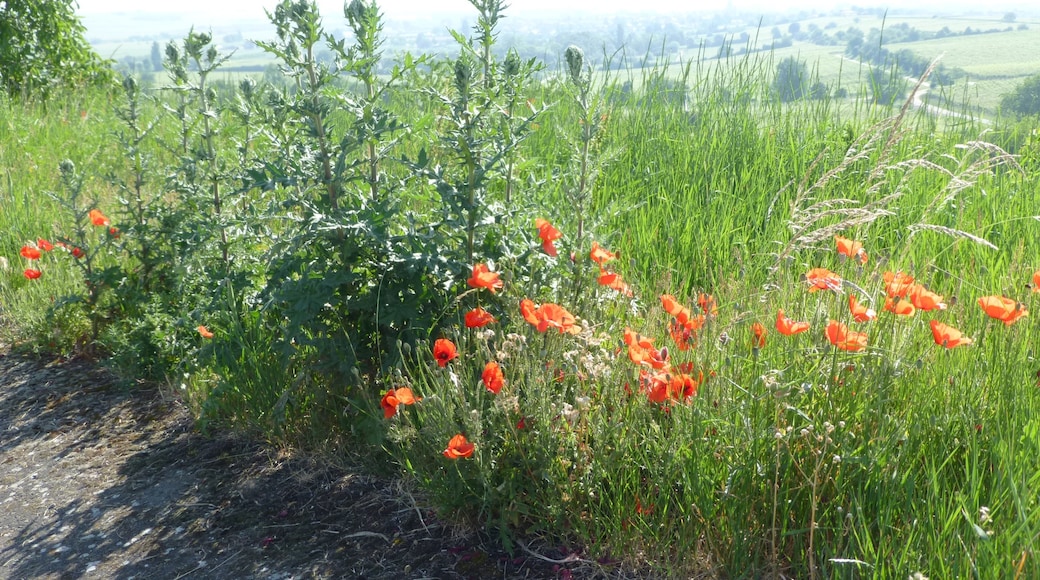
{"x":581,"y":403}
{"x":570,"y":413}
{"x":836,"y":459}
{"x":984,"y":515}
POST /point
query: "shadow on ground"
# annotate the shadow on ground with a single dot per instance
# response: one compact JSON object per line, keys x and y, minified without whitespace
{"x":97,"y":480}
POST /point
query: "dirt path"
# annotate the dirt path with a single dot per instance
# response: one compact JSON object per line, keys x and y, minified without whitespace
{"x":98,"y":481}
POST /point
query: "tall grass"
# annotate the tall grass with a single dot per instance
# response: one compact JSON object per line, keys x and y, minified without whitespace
{"x":793,"y":457}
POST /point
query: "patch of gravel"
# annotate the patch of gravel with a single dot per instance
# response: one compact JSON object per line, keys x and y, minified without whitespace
{"x":101,"y":481}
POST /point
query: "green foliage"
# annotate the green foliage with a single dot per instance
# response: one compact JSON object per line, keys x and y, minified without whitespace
{"x":792,"y":79}
{"x":1024,"y":100}
{"x":42,"y":46}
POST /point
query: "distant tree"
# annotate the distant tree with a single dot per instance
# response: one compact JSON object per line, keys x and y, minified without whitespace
{"x":1010,"y":17}
{"x":42,"y":46}
{"x":156,"y":57}
{"x":792,"y":79}
{"x":1024,"y":99}
{"x":794,"y":28}
{"x":776,"y":32}
{"x":886,"y":87}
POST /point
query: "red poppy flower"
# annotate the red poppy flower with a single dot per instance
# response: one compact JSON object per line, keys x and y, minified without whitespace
{"x":642,"y":352}
{"x":529,"y":311}
{"x":851,"y":249}
{"x":614,"y":281}
{"x":822,"y":279}
{"x":684,"y":335}
{"x":860,"y":313}
{"x":947,"y":336}
{"x":97,"y":218}
{"x":114,"y":232}
{"x":758,"y":340}
{"x":664,"y":386}
{"x":44,"y":245}
{"x":32,"y":273}
{"x":555,"y":316}
{"x":924,"y":299}
{"x":840,"y":336}
{"x":898,"y":284}
{"x":30,"y":253}
{"x":394,"y":397}
{"x":204,"y":332}
{"x":600,"y":255}
{"x":478,"y":317}
{"x":787,"y":327}
{"x":78,"y":253}
{"x":484,"y":278}
{"x":459,"y":447}
{"x":1036,"y":281}
{"x":444,"y":351}
{"x":1004,"y":309}
{"x":493,"y":377}
{"x":707,"y":304}
{"x":899,"y":306}
{"x":548,"y":234}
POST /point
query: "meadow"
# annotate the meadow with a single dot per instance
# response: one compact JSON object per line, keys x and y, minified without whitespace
{"x":711,"y":336}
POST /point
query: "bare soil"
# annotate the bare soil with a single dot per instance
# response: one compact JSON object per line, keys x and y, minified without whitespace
{"x":98,"y":480}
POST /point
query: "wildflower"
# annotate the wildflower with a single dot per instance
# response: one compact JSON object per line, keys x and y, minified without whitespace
{"x":444,"y":351}
{"x":787,"y":327}
{"x":822,"y":279}
{"x":642,"y":352}
{"x":484,"y":278}
{"x":459,"y":447}
{"x":899,"y":306}
{"x":32,"y":273}
{"x":478,"y":317}
{"x":683,"y":334}
{"x":852,"y":249}
{"x":97,"y":218}
{"x":759,"y":338}
{"x":672,"y":306}
{"x":204,"y":332}
{"x":840,"y":336}
{"x":924,"y":299}
{"x":898,"y":284}
{"x":614,"y":281}
{"x":600,"y":255}
{"x":675,"y":386}
{"x":493,"y":378}
{"x":947,"y":336}
{"x":707,"y":304}
{"x":78,"y":253}
{"x":1004,"y":309}
{"x":548,"y":315}
{"x":114,"y":232}
{"x":860,"y":313}
{"x":30,"y":253}
{"x":394,"y":397}
{"x":1036,"y":281}
{"x":44,"y":245}
{"x":549,"y":234}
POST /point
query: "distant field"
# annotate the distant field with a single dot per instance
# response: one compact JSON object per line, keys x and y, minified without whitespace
{"x":1003,"y":54}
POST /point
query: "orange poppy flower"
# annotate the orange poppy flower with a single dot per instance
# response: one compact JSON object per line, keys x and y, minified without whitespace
{"x":614,"y":281}
{"x":97,"y":218}
{"x":444,"y":351}
{"x":548,"y":316}
{"x":787,"y":327}
{"x":860,"y":313}
{"x":1036,"y":281}
{"x":600,"y":255}
{"x":707,"y":304}
{"x":665,"y":385}
{"x":549,"y":234}
{"x":947,"y":336}
{"x":822,"y":279}
{"x":840,"y":336}
{"x":898,"y":284}
{"x":394,"y":397}
{"x":852,"y":249}
{"x":759,"y":338}
{"x":493,"y":377}
{"x":78,"y":253}
{"x":684,"y":335}
{"x":484,"y":278}
{"x":478,"y":317}
{"x":459,"y":447}
{"x":32,"y":273}
{"x":44,"y":245}
{"x":642,"y":352}
{"x":925,"y":299}
{"x":899,"y":306}
{"x":1004,"y":309}
{"x":30,"y":253}
{"x":204,"y":332}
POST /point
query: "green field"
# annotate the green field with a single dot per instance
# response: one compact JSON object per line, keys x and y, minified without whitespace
{"x":556,"y":304}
